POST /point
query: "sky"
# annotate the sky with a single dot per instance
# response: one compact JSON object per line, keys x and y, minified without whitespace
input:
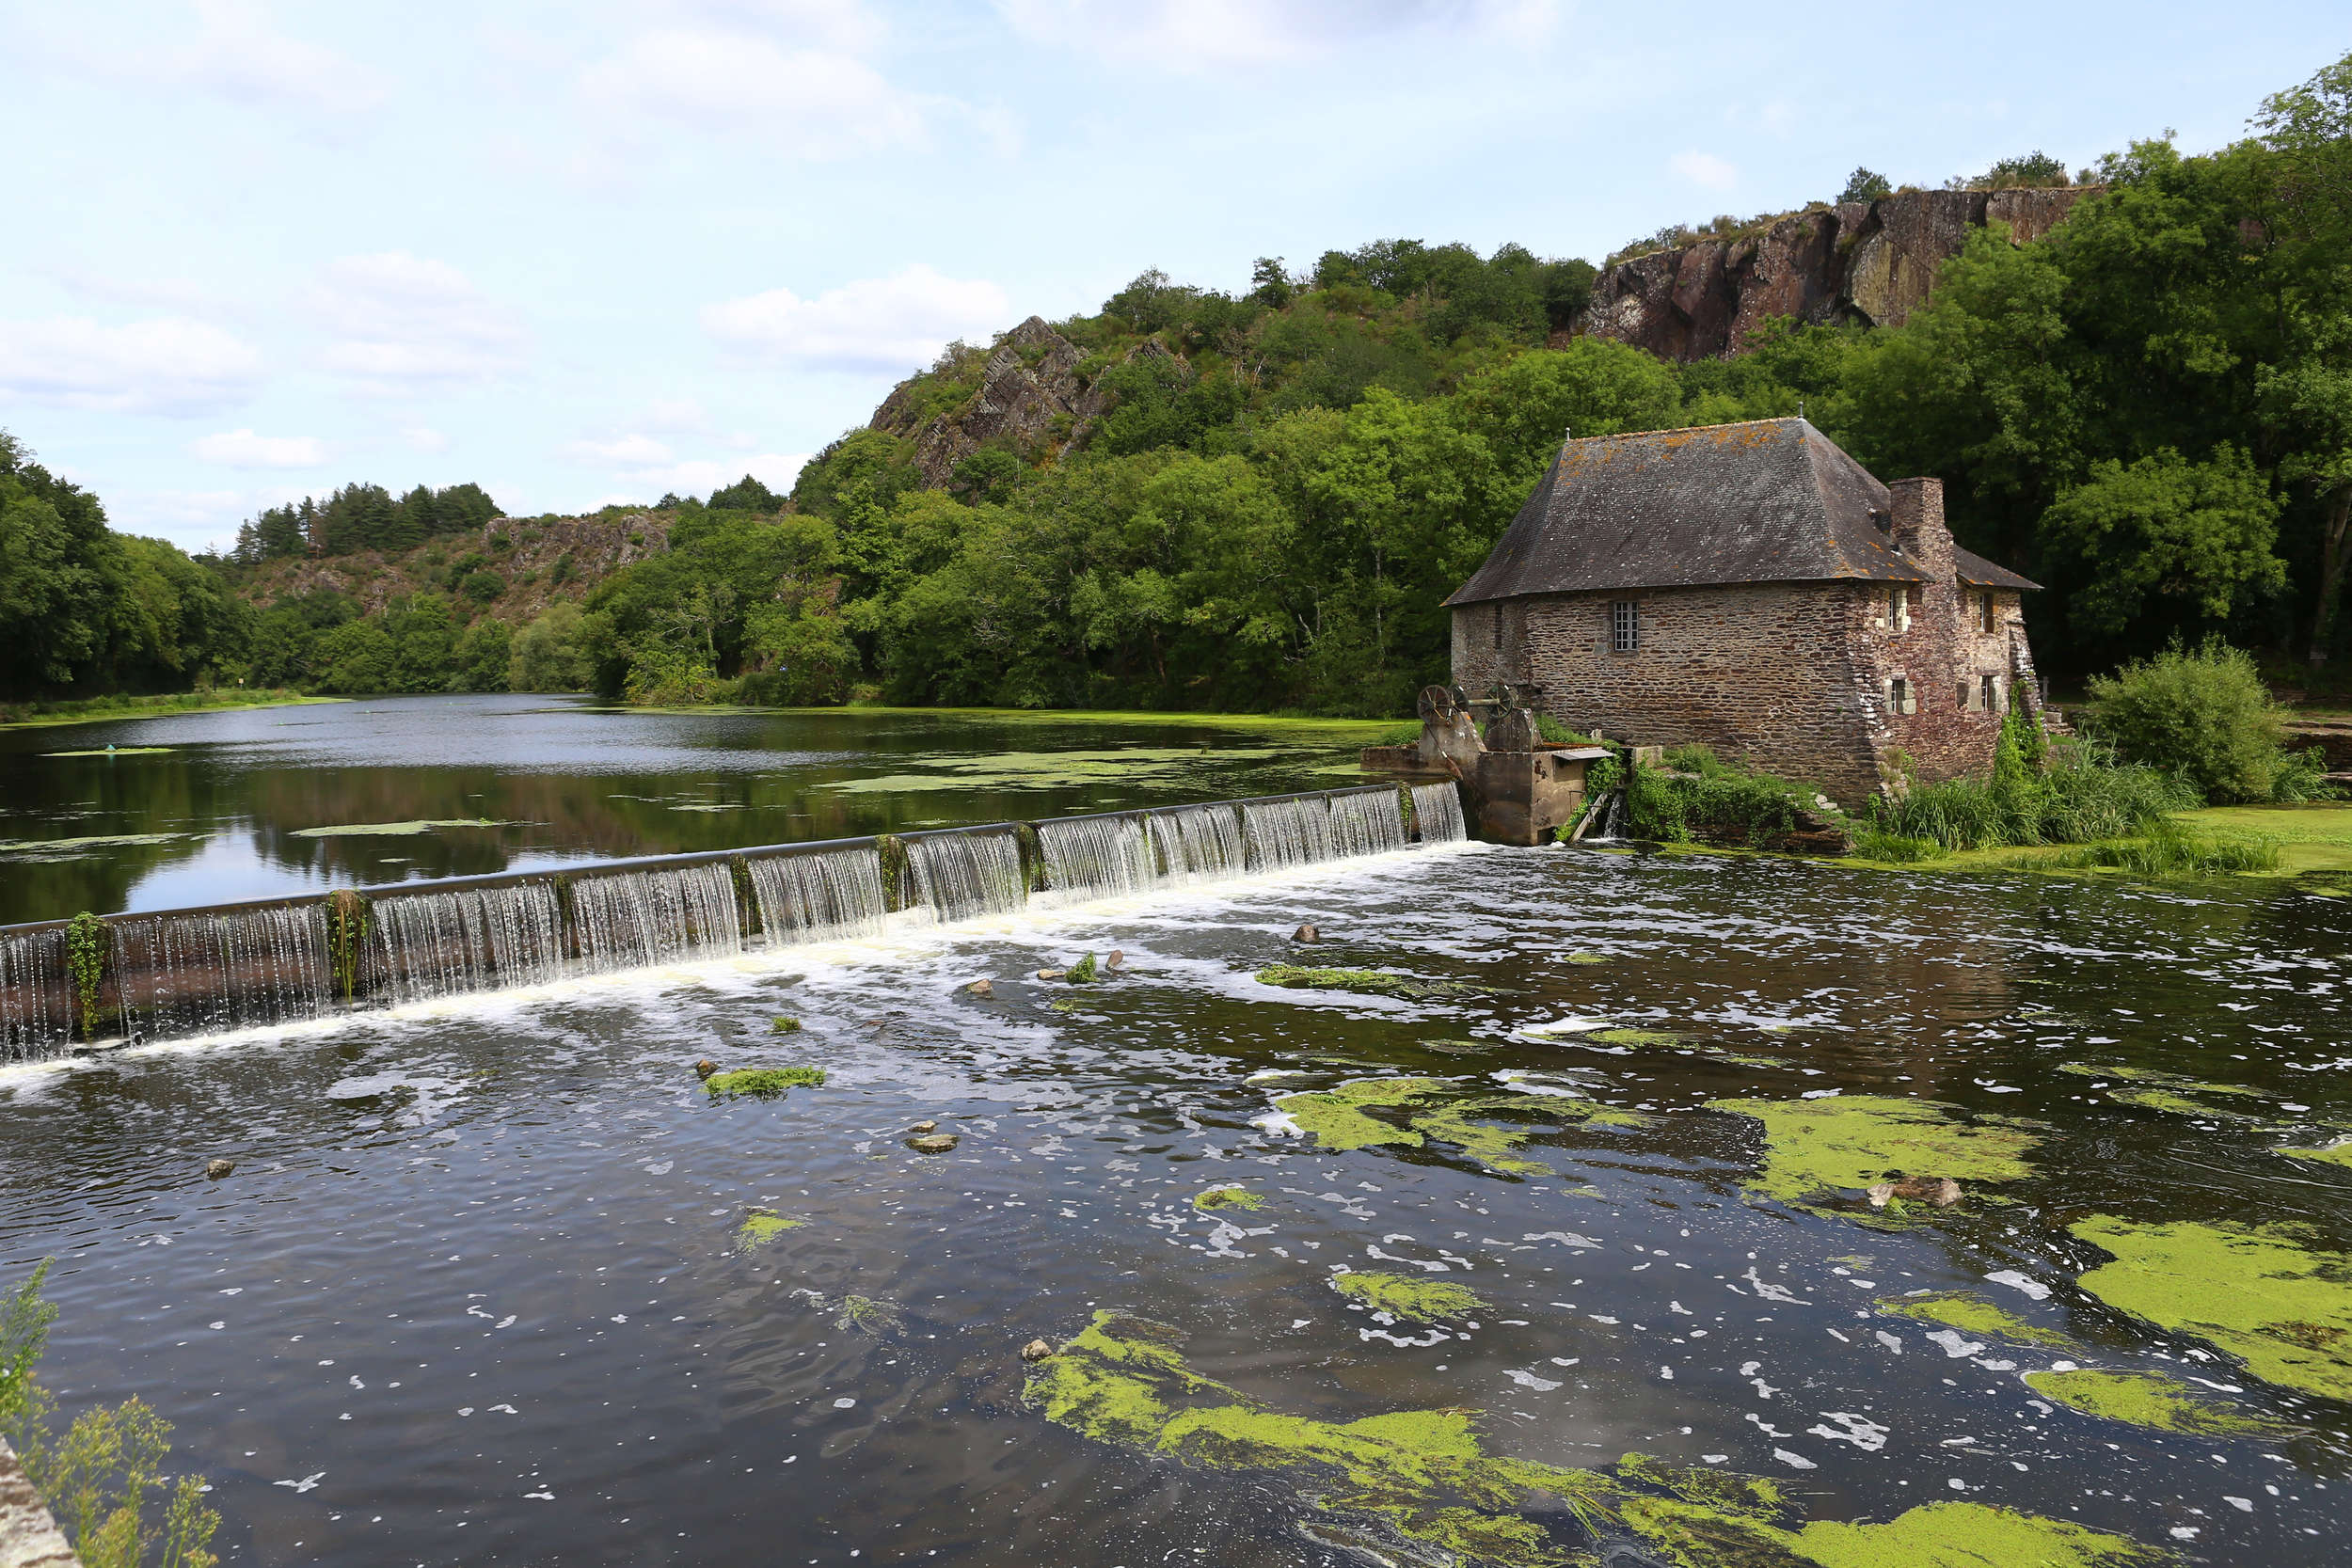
{"x":582,"y":253}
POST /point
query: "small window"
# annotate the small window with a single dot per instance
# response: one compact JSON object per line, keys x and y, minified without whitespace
{"x":1989,"y":688}
{"x":1985,"y":621}
{"x":1898,"y":696}
{"x":1898,"y":607}
{"x":1624,"y":626}
{"x":1964,"y":696}
{"x":1497,"y":625}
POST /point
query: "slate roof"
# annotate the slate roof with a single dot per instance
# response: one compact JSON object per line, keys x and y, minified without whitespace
{"x":1771,"y":500}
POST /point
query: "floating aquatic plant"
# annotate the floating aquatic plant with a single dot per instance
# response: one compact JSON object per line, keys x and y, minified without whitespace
{"x":1413,"y":1298}
{"x":2259,"y":1291}
{"x":2333,"y":1154}
{"x":764,"y":1082}
{"x":868,"y":1315}
{"x":1970,"y":1313}
{"x":2146,"y":1400}
{"x":1369,"y":982}
{"x":785,"y":1026}
{"x":1817,"y":1148}
{"x":760,"y":1226}
{"x":1337,"y":1119}
{"x":395,"y":830}
{"x":1227,"y":1198}
{"x":1083,"y":972}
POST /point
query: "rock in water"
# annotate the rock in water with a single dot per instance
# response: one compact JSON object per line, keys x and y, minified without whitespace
{"x":981,"y":988}
{"x":219,"y":1168}
{"x":933,"y":1142}
{"x":1306,"y":933}
{"x":1116,"y":961}
{"x":1051,"y":974}
{"x":704,"y":1068}
{"x":1942,"y":1190}
{"x":924,"y":1127}
{"x":1035,"y":1350}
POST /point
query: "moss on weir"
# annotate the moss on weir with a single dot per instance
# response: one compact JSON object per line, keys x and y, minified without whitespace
{"x":2258,"y":1292}
{"x":2146,"y":1400}
{"x":1412,"y":1298}
{"x":1819,"y":1148}
{"x":764,"y":1083}
{"x":1971,"y":1313}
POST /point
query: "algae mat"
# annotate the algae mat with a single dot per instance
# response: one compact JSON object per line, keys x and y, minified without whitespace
{"x":2259,"y":1292}
{"x":1838,"y":1146}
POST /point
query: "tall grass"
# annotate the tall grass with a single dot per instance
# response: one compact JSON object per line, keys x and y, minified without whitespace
{"x":2169,"y":850}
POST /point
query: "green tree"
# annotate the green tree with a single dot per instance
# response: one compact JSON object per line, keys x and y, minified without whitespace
{"x":554,"y":652}
{"x":481,"y":658}
{"x":357,"y":657}
{"x":2163,"y":542}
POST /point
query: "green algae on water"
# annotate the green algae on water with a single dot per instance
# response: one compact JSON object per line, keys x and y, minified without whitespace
{"x":868,"y":1315}
{"x":2149,"y":1075}
{"x":1368,"y":982}
{"x":1412,"y":1298}
{"x":1424,"y":1474}
{"x":2257,"y":1290}
{"x":760,"y":1226}
{"x":1337,"y":1119}
{"x":785,"y":1026}
{"x":1083,"y":972}
{"x":1583,"y":957}
{"x":1971,"y":1313}
{"x":1635,"y":1039}
{"x":1738,"y":1533}
{"x":2146,"y":1400}
{"x":396,"y":830}
{"x":2333,"y":1154}
{"x":1227,"y":1198}
{"x":1818,"y":1148}
{"x":764,"y":1082}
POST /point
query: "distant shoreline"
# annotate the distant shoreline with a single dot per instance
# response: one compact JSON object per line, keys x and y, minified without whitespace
{"x":91,"y":711}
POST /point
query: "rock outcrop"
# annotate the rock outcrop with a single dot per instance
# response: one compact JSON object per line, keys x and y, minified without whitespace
{"x":1870,"y":262}
{"x":1032,"y":397}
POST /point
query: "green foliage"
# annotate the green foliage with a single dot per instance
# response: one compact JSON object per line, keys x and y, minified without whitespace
{"x":96,"y":1479}
{"x":2205,"y":714}
{"x":1710,"y":798}
{"x":2194,"y":538}
{"x":2166,"y":849}
{"x":2079,"y":794}
{"x":347,"y":917}
{"x":483,"y":657}
{"x":557,"y":651}
{"x":1085,"y":972}
{"x":362,"y":517}
{"x":1865,"y":184}
{"x":89,"y":941}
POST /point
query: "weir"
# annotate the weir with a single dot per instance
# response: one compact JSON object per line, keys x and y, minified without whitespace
{"x":98,"y":981}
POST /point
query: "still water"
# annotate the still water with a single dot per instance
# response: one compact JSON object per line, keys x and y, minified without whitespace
{"x":203,"y":808}
{"x":498,"y":1281}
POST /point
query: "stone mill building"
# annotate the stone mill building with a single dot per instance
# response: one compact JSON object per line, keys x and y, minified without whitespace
{"x":1752,"y":588}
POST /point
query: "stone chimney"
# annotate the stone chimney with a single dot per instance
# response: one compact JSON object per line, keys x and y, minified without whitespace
{"x":1917,"y":525}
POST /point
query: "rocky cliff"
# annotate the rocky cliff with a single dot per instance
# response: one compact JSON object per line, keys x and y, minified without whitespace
{"x":1033,"y":395}
{"x":537,"y":561}
{"x":1870,"y":262}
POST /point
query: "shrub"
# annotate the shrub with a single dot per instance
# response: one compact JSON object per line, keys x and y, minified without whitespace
{"x":1894,"y":848}
{"x":2078,"y":793}
{"x":1721,"y":803}
{"x":2205,"y":714}
{"x":2169,"y":850}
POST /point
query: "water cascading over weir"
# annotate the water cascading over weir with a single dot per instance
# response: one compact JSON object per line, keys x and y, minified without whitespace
{"x":96,"y":981}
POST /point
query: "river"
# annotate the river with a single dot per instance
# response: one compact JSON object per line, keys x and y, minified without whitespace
{"x":498,"y":1279}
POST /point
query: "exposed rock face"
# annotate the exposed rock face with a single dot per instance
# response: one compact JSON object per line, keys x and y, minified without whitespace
{"x":1022,"y":395}
{"x":1871,"y":264}
{"x":1031,"y":395}
{"x":598,"y":546}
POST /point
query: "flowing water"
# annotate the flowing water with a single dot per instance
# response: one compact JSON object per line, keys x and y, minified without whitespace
{"x":1284,"y":835}
{"x":957,"y":876}
{"x":629,"y":919}
{"x":811,"y":898}
{"x":429,"y":945}
{"x":1438,"y":813}
{"x":1089,"y":857}
{"x":202,"y":973}
{"x":497,"y":1279}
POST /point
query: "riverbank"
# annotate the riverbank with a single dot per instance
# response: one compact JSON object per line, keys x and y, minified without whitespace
{"x":87,"y":710}
{"x":1349,"y":732}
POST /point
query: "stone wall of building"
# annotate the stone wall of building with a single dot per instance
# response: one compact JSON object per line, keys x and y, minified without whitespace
{"x":1792,"y":678}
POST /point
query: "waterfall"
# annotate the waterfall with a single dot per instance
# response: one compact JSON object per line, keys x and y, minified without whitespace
{"x":960,"y":875}
{"x":427,"y":944}
{"x":35,"y":995}
{"x":1199,"y":844}
{"x":626,"y":919}
{"x":228,"y":968}
{"x":1366,"y":823}
{"x":817,"y":897}
{"x":1094,"y":857}
{"x":1438,"y":808}
{"x":1284,"y":834}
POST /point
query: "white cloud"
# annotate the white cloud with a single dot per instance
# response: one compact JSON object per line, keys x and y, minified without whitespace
{"x":800,"y":102}
{"x":425,"y":439}
{"x":1191,"y":35}
{"x":242,"y":448}
{"x":1705,"y":168}
{"x":166,"y":365}
{"x":832,"y":23}
{"x":239,"y":55}
{"x":621,"y":451}
{"x":890,"y":324}
{"x":398,"y":323}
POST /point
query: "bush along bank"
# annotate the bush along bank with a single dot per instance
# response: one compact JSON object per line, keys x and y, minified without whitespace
{"x":2106,"y":811}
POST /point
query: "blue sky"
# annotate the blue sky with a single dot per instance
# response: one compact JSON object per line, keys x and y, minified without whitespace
{"x":582,"y":252}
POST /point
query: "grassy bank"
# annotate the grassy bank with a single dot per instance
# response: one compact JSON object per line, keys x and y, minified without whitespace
{"x":1306,"y":730}
{"x":91,"y":709}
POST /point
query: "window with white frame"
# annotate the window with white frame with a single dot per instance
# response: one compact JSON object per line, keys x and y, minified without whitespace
{"x":1988,"y":690}
{"x":1898,"y":607}
{"x":1624,"y":626}
{"x":1899,"y":698}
